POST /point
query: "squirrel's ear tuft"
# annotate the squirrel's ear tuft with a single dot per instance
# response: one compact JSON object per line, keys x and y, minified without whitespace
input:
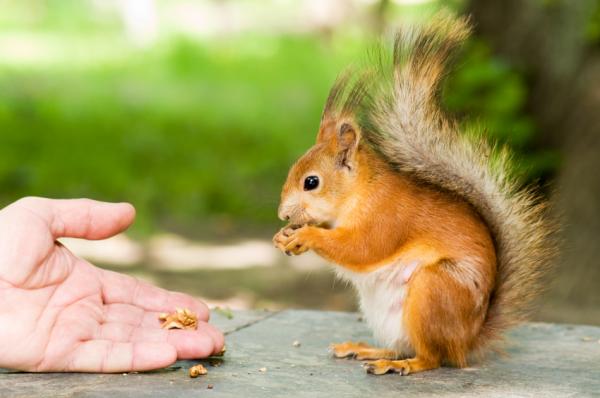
{"x":327,"y":131}
{"x":348,"y":139}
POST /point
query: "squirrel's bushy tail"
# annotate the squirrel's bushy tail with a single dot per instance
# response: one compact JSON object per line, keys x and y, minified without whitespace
{"x":403,"y":121}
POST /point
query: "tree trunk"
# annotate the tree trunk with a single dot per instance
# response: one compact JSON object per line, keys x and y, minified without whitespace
{"x":546,"y":40}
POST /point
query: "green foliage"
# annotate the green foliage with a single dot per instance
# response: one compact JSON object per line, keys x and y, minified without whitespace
{"x":199,"y":135}
{"x":484,"y":92}
{"x":592,"y":28}
{"x":185,"y":132}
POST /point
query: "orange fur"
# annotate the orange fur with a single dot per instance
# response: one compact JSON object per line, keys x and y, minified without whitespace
{"x":446,"y":250}
{"x":361,"y":351}
{"x":445,"y":306}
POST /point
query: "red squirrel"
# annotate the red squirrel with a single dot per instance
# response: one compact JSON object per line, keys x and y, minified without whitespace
{"x":443,"y":248}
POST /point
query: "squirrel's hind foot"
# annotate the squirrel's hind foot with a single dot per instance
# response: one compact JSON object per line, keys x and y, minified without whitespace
{"x":403,"y":367}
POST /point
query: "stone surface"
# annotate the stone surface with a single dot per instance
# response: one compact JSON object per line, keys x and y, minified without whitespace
{"x":544,"y":360}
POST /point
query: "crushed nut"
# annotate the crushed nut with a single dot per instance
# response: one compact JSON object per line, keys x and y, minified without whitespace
{"x":180,"y":319}
{"x":198,"y":370}
{"x":163,"y":316}
{"x":296,"y":343}
{"x":262,"y":370}
{"x":210,"y":386}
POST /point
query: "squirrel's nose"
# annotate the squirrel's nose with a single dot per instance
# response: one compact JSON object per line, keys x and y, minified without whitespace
{"x":283,"y":215}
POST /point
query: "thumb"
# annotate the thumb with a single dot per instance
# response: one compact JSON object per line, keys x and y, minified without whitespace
{"x":82,"y":218}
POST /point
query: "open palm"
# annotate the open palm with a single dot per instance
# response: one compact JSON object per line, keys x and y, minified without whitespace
{"x":60,"y":313}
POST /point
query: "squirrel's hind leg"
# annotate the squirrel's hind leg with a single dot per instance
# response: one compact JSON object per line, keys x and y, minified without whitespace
{"x":360,"y":351}
{"x":441,"y":318}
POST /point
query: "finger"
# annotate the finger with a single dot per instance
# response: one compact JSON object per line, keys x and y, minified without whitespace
{"x":124,"y":289}
{"x":189,"y":344}
{"x":129,"y":317}
{"x":292,"y":245}
{"x":129,"y":314}
{"x":278,"y":238}
{"x":81,"y":218}
{"x":301,"y":250}
{"x":217,"y":337}
{"x":110,"y":357}
{"x":281,"y":243}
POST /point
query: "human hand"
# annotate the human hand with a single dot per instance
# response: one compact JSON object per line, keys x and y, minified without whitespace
{"x":60,"y":313}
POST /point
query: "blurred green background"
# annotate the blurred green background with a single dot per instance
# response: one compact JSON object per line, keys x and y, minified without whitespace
{"x":194,"y":110}
{"x":192,"y":129}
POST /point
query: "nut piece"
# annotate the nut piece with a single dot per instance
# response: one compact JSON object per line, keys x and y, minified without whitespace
{"x":180,"y":319}
{"x":198,"y":370}
{"x":296,"y":343}
{"x":262,"y":370}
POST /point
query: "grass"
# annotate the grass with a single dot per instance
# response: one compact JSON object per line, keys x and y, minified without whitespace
{"x":199,"y":136}
{"x":187,"y":132}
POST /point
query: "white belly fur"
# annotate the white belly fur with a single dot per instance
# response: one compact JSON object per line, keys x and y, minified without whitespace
{"x":382,"y":293}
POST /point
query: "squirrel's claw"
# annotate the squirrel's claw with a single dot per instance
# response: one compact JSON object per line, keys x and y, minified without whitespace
{"x":383,"y":366}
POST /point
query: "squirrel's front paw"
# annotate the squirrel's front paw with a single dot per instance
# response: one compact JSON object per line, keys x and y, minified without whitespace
{"x":290,"y":240}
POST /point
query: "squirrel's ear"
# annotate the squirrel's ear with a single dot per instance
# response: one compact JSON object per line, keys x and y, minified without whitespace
{"x":327,"y":131}
{"x":347,"y":145}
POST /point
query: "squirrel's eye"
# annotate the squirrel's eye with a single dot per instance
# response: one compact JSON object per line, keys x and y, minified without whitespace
{"x":311,"y":182}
